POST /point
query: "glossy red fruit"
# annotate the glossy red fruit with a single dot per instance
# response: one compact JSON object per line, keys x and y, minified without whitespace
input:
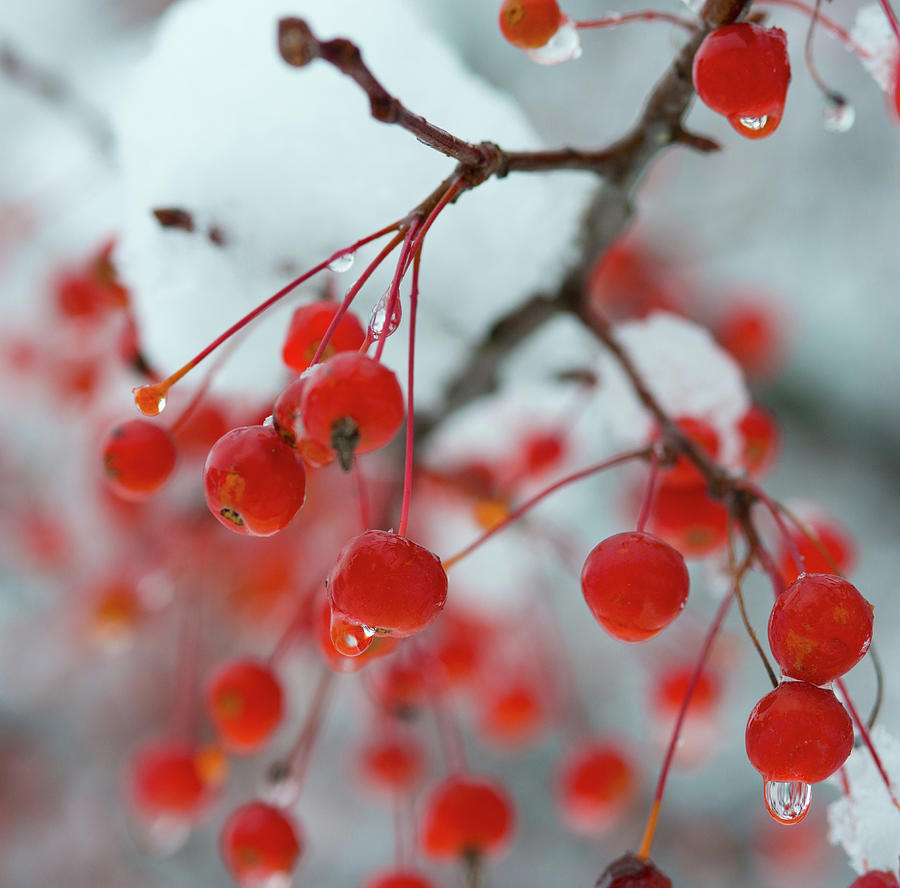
{"x":635,"y":585}
{"x":689,"y":519}
{"x":246,"y":704}
{"x":138,"y":458}
{"x":629,"y":871}
{"x":309,"y":324}
{"x":672,"y":686}
{"x":465,"y":815}
{"x":399,"y":879}
{"x":393,"y":763}
{"x":749,"y":332}
{"x":399,"y":687}
{"x":529,"y":24}
{"x":165,"y":781}
{"x":596,"y":784}
{"x":820,"y":628}
{"x":742,"y":71}
{"x":387,"y":582}
{"x":512,"y":712}
{"x":259,"y":842}
{"x":254,"y":483}
{"x":839,"y":554}
{"x":760,"y":439}
{"x":351,"y":404}
{"x":798,"y":732}
{"x":876,"y":880}
{"x":286,"y":414}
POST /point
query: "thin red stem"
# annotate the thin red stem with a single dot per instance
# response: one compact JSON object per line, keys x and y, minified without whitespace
{"x":651,"y":489}
{"x":394,"y":291}
{"x":617,"y":460}
{"x":789,"y":540}
{"x":351,"y":295}
{"x":713,"y":630}
{"x":410,"y":400}
{"x":866,"y":738}
{"x":829,"y":24}
{"x":649,"y":15}
{"x":891,"y":17}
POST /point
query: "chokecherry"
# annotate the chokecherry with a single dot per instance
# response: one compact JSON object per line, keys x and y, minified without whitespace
{"x":596,"y":783}
{"x":529,"y":24}
{"x":876,"y":880}
{"x":759,"y":437}
{"x":254,"y":483}
{"x":258,"y":842}
{"x":635,"y":585}
{"x":138,"y":458}
{"x":309,"y":324}
{"x":351,"y":404}
{"x":399,"y":879}
{"x":742,"y":71}
{"x":165,"y":781}
{"x":689,"y":519}
{"x":466,"y":816}
{"x":289,"y":422}
{"x":839,"y":554}
{"x":246,"y":704}
{"x":393,"y":763}
{"x":820,"y":628}
{"x":798,"y":733}
{"x":629,"y":871}
{"x":388,"y":583}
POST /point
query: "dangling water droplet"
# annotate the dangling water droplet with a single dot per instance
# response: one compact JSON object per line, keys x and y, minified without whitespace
{"x":754,"y":123}
{"x":563,"y":46}
{"x":343,"y":263}
{"x":379,"y":316}
{"x":838,"y":117}
{"x":279,"y":786}
{"x":787,"y":802}
{"x":349,"y":639}
{"x":150,"y":399}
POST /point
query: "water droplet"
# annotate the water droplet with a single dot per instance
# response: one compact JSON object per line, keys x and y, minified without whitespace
{"x":349,"y":639}
{"x":279,"y":786}
{"x":377,"y":321}
{"x":787,"y":802}
{"x":269,"y":422}
{"x":150,"y":399}
{"x":838,"y":117}
{"x":166,"y":835}
{"x":754,"y":123}
{"x":343,"y":263}
{"x":271,"y":880}
{"x":563,"y":46}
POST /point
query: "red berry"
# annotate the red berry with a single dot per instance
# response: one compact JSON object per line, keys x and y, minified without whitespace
{"x":259,"y":842}
{"x":465,"y":816}
{"x":742,"y":71}
{"x":596,"y":784}
{"x":393,"y":763}
{"x":399,"y":688}
{"x":684,"y":472}
{"x":759,"y":434}
{"x":529,"y":24}
{"x":138,"y":457}
{"x":254,"y":483}
{"x":165,"y":781}
{"x":308,"y":326}
{"x":513,"y":712}
{"x":629,"y":871}
{"x":542,"y":451}
{"x":876,"y":880}
{"x":635,"y":585}
{"x":399,"y":879}
{"x":820,"y":628}
{"x":798,"y":732}
{"x":246,"y":704}
{"x":672,"y":687}
{"x":203,"y":426}
{"x":689,"y":519}
{"x":289,"y":422}
{"x":351,"y":404}
{"x":387,"y":582}
{"x":834,"y":539}
{"x":749,"y":332}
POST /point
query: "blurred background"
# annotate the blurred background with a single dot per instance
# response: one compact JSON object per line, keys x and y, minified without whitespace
{"x":113,"y":613}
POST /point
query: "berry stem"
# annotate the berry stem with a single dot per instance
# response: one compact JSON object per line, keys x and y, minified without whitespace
{"x":163,"y":387}
{"x":410,"y":400}
{"x":648,"y":15}
{"x":351,"y":295}
{"x":829,"y":24}
{"x":789,"y":541}
{"x":721,"y":613}
{"x":651,"y":489}
{"x":299,"y":756}
{"x":394,"y":291}
{"x":891,"y":17}
{"x":867,"y":740}
{"x":832,"y":96}
{"x":638,"y":453}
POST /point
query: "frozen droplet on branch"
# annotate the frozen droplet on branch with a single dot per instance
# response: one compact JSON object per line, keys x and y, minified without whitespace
{"x":279,"y":785}
{"x":378,"y":324}
{"x":838,"y":117}
{"x":563,"y":46}
{"x":343,"y":263}
{"x":787,"y":801}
